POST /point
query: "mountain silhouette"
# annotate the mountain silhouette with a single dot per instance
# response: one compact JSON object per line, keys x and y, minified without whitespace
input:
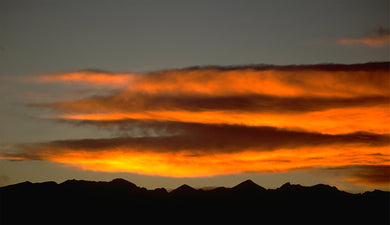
{"x":184,"y":190}
{"x":248,"y":186}
{"x":288,"y":187}
{"x":122,"y":202}
{"x":123,"y":183}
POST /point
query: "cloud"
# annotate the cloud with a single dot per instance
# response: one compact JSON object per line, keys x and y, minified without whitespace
{"x":91,"y":77}
{"x":371,"y":175}
{"x":211,"y":138}
{"x":334,"y":80}
{"x":380,"y":38}
{"x":331,"y":121}
{"x":128,"y":102}
{"x":329,"y":98}
{"x":192,"y":149}
{"x":204,"y":121}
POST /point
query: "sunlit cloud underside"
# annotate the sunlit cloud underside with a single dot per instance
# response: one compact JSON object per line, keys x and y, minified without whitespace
{"x":227,"y":120}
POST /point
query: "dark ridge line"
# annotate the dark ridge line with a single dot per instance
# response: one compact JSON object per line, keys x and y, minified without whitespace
{"x":245,"y":185}
{"x":122,"y":202}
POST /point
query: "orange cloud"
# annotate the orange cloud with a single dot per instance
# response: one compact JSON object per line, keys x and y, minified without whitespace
{"x":130,"y":102}
{"x":317,"y":80}
{"x":195,"y":149}
{"x":83,"y":77}
{"x":221,"y":120}
{"x":330,"y":99}
{"x":275,"y":82}
{"x":188,"y":164}
{"x":332,"y":121}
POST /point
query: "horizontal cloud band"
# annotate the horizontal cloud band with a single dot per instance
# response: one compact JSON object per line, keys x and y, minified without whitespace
{"x":207,"y":139}
{"x":204,"y":121}
{"x":128,"y":102}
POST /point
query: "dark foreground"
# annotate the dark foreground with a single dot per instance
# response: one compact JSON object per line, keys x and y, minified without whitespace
{"x":122,"y":202}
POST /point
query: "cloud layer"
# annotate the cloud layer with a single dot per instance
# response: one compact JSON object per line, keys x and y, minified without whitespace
{"x":205,"y":121}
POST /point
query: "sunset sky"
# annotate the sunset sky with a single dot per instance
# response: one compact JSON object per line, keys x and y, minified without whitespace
{"x":207,"y":93}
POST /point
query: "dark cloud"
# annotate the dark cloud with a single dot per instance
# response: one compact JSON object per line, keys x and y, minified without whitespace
{"x":373,"y":174}
{"x":316,"y":67}
{"x":361,"y":174}
{"x":128,"y":102}
{"x":381,"y":31}
{"x":268,"y":137}
{"x":203,"y":139}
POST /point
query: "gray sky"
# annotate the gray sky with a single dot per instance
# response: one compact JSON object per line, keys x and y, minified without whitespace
{"x":57,"y":36}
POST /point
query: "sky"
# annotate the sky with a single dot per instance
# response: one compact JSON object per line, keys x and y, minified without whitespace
{"x":207,"y":93}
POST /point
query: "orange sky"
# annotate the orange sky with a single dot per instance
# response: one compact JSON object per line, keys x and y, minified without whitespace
{"x":215,"y":121}
{"x":333,"y":121}
{"x":186,"y":163}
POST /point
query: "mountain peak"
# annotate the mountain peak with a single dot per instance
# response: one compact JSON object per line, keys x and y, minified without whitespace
{"x":316,"y":188}
{"x":248,"y":185}
{"x":110,"y":203}
{"x":184,"y":189}
{"x":119,"y":180}
{"x":286,"y":186}
{"x":325,"y":187}
{"x":290,"y":187}
{"x":123,"y":182}
{"x":160,"y":191}
{"x":68,"y":182}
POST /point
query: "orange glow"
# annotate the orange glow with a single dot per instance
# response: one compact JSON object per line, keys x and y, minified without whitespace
{"x":84,"y":77}
{"x":379,"y":41}
{"x":269,"y":82}
{"x":265,"y":105}
{"x":333,"y":121}
{"x":235,"y":82}
{"x":186,"y":164}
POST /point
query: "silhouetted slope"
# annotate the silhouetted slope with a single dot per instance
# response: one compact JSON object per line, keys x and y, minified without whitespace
{"x":122,"y":202}
{"x":248,"y":186}
{"x":184,"y":190}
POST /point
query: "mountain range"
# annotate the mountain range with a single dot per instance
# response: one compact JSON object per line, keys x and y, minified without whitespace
{"x":122,"y":202}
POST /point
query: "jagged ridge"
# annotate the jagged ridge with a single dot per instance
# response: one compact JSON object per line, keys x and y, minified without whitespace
{"x":120,"y":201}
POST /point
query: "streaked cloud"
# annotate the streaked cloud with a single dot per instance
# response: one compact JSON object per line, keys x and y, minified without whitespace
{"x":364,"y":175}
{"x":205,"y":121}
{"x":319,"y":98}
{"x":327,"y":80}
{"x":194,"y":149}
{"x":370,"y":174}
{"x":90,"y":77}
{"x":129,"y":102}
{"x":211,"y":138}
{"x":381,"y":38}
